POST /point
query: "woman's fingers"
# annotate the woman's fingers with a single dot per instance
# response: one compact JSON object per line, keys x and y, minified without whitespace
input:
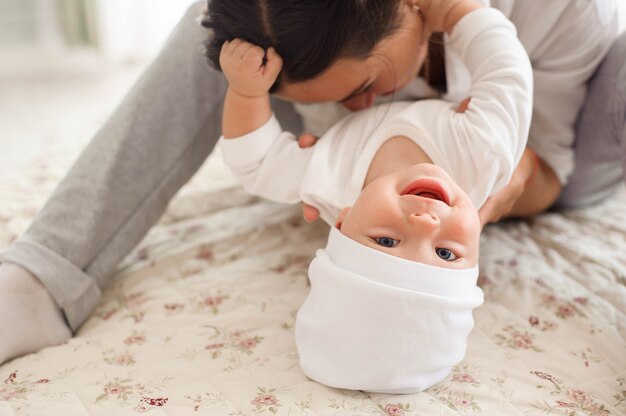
{"x":485,"y":212}
{"x":463,"y":105}
{"x":310,"y":213}
{"x":306,"y":140}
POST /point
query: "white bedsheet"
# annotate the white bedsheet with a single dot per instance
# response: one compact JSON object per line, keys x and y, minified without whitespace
{"x":200,"y":317}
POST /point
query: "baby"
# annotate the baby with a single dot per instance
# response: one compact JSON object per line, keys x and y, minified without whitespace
{"x":391,"y":299}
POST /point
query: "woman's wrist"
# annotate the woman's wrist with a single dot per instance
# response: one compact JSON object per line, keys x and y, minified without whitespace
{"x":533,"y":163}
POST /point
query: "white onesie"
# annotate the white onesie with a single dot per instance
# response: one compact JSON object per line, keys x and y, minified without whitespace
{"x":479,"y":148}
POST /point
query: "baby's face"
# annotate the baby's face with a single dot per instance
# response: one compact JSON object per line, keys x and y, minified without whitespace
{"x":419,"y":214}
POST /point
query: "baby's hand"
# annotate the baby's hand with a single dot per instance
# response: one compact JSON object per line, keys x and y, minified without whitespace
{"x":242,"y":64}
{"x":442,"y":15}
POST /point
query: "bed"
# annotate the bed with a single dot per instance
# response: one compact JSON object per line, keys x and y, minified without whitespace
{"x":199,"y":319}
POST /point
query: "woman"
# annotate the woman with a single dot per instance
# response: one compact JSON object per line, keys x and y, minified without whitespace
{"x":52,"y":277}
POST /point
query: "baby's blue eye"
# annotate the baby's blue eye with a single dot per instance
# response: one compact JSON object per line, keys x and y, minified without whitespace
{"x":386,"y":242}
{"x":445,"y":254}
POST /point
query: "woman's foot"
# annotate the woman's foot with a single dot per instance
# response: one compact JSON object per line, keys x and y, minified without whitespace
{"x":29,"y":317}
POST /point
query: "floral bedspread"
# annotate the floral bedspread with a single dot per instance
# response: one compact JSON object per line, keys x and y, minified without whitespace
{"x":199,"y":319}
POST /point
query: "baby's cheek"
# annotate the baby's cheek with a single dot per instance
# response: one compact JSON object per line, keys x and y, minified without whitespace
{"x":467,"y":227}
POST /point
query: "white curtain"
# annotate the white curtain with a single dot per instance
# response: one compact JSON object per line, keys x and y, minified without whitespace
{"x":128,"y":30}
{"x":120,"y":29}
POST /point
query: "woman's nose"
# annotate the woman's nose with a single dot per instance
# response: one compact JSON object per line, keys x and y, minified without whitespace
{"x":360,"y":101}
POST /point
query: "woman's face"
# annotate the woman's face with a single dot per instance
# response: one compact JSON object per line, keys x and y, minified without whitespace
{"x":355,"y":83}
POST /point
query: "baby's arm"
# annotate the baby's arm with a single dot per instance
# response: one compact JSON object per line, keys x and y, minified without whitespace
{"x":266,"y":159}
{"x":247,"y":102}
{"x":482,"y":145}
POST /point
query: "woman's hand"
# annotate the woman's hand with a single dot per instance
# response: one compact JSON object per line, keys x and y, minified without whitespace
{"x":501,"y":204}
{"x":309,"y":212}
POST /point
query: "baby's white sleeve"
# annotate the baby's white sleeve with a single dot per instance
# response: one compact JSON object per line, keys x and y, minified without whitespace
{"x":268,"y":161}
{"x":482,"y":146}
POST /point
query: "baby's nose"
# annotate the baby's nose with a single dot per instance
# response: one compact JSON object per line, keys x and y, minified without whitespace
{"x":426,"y":221}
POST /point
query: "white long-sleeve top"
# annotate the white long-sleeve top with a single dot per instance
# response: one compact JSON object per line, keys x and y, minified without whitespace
{"x":565,"y":40}
{"x":479,"y":148}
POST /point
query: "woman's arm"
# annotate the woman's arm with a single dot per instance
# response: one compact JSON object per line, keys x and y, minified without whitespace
{"x":541,"y":188}
{"x":533,"y":188}
{"x":565,"y":44}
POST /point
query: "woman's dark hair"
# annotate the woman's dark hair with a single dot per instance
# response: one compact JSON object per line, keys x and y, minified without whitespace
{"x":310,"y":35}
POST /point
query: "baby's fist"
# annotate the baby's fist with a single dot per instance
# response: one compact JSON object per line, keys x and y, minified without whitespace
{"x":243,"y":67}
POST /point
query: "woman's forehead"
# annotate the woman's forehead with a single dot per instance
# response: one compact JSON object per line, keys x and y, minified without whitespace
{"x":341,"y":80}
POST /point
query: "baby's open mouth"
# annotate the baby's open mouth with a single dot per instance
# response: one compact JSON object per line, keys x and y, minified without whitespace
{"x":427,"y":188}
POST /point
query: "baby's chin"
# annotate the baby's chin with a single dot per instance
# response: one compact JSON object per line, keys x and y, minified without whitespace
{"x":428,"y":170}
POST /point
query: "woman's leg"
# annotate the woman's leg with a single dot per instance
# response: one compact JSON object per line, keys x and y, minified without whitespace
{"x":119,"y":187}
{"x":123,"y":180}
{"x":600,"y":134}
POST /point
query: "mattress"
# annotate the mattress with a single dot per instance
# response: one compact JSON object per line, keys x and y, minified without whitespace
{"x":199,"y":318}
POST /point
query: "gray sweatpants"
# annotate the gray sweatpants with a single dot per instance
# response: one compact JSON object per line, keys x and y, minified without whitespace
{"x":156,"y":140}
{"x":600,"y":146}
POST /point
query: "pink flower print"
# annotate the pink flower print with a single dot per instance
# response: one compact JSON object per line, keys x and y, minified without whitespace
{"x":565,"y":310}
{"x":595,"y":411}
{"x":523,"y":341}
{"x":248,"y":343}
{"x":136,"y":338}
{"x":548,"y":299}
{"x":235,"y":335}
{"x":483,"y":281}
{"x":394,"y":410}
{"x":579,"y":396}
{"x":42,"y":381}
{"x":11,"y":379}
{"x":213,"y":300}
{"x":105,"y":316}
{"x":142,"y":254}
{"x":124,"y":359}
{"x":542,"y":325}
{"x":563,"y":404}
{"x":173,"y":307}
{"x":265,"y":400}
{"x":146,"y":403}
{"x":463,"y":401}
{"x":7,"y":396}
{"x":115,"y":389}
{"x":214,"y":346}
{"x":205,"y":254}
{"x":581,"y":301}
{"x":279,"y":269}
{"x":158,"y":402}
{"x":134,"y":299}
{"x":463,"y":378}
{"x":190,"y":270}
{"x":546,"y":376}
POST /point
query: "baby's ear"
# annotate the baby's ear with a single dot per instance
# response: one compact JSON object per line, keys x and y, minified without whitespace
{"x":342,"y":215}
